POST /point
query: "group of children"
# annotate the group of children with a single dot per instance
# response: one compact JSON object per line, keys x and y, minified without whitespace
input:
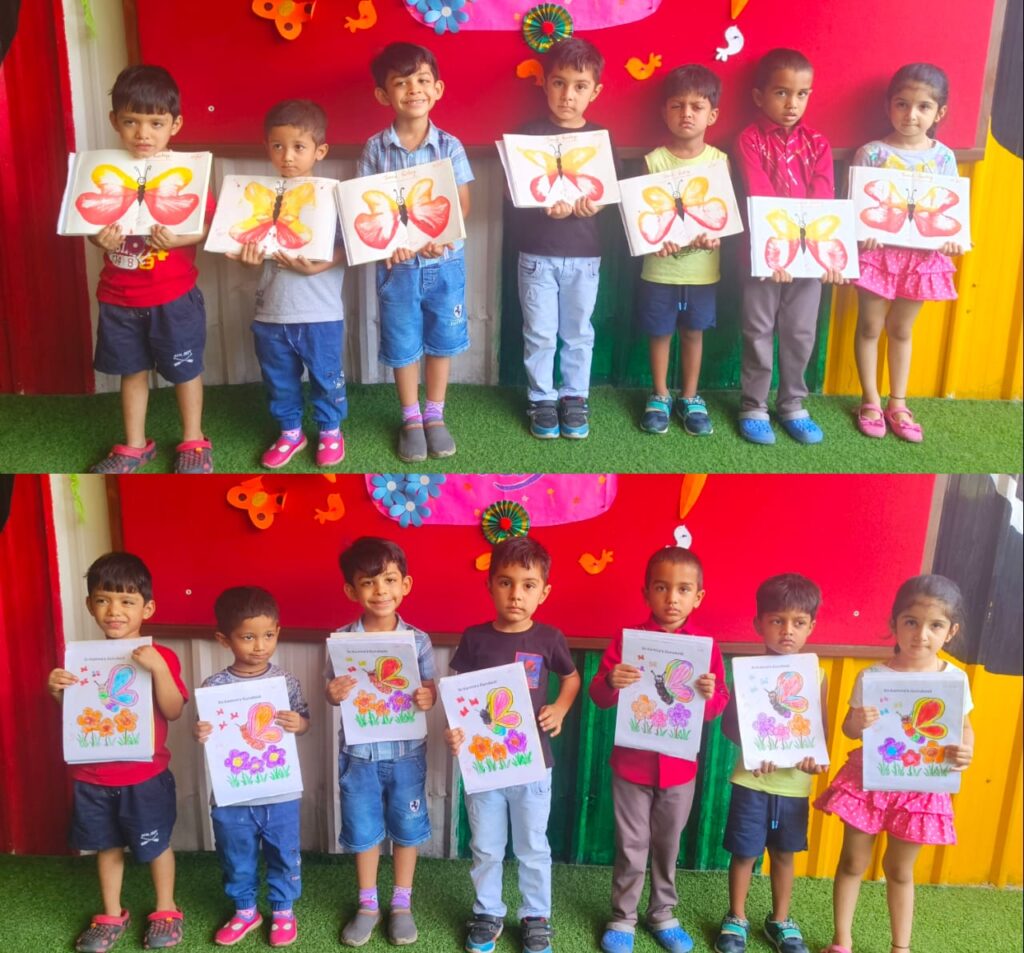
{"x":152,"y":314}
{"x":382,"y":784}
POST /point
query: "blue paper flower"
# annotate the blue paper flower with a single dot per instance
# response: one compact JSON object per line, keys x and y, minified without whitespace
{"x":421,"y":486}
{"x":408,"y":511}
{"x":387,"y":488}
{"x":445,"y":15}
{"x":420,"y":5}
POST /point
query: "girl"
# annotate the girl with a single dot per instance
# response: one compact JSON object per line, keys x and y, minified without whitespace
{"x":926,"y":615}
{"x":895,"y":281}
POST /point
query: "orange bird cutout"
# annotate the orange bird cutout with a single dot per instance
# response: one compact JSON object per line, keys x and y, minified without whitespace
{"x":638,"y":69}
{"x":531,"y":69}
{"x":335,"y":509}
{"x":367,"y":17}
{"x":287,"y":15}
{"x":261,"y":505}
{"x":594,"y":565}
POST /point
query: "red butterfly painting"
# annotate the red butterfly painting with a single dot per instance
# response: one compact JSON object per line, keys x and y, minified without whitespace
{"x":564,"y":170}
{"x":275,"y":212}
{"x":895,"y":208}
{"x":710,"y":213}
{"x":417,"y":206}
{"x":118,"y":192}
{"x":792,"y":237}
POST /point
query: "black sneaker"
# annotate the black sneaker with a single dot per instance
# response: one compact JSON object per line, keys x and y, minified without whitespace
{"x":484,"y":931}
{"x":543,"y":416}
{"x":537,"y":933}
{"x":574,"y":417}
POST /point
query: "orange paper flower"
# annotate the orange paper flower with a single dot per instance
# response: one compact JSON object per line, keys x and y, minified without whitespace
{"x":481,"y":747}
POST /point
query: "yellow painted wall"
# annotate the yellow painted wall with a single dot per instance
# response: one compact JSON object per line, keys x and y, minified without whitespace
{"x":970,"y":347}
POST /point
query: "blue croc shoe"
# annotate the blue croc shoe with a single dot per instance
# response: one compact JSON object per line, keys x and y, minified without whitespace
{"x":671,"y":936}
{"x":732,"y":935}
{"x":802,"y":429}
{"x":655,"y":420}
{"x":694,"y":414}
{"x":757,"y":430}
{"x":785,"y":936}
{"x":617,"y":941}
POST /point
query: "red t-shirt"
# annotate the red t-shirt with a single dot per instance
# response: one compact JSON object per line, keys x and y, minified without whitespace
{"x":115,"y":774}
{"x":139,"y":276}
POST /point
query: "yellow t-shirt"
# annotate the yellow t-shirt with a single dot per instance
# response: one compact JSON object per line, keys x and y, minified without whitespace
{"x":689,"y":266}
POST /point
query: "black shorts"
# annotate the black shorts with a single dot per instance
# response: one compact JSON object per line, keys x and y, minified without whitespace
{"x":758,"y":820}
{"x":660,"y":309}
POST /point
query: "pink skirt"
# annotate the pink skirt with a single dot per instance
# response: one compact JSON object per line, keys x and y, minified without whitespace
{"x":910,"y":273}
{"x":908,"y":815}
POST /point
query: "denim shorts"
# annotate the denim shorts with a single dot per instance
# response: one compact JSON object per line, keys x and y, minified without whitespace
{"x":383,"y":799}
{"x":758,"y":820}
{"x":660,"y":309}
{"x":422,"y":311}
{"x":170,"y":337}
{"x":140,"y":816}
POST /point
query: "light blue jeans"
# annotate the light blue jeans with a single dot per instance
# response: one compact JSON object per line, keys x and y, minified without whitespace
{"x":557,"y":297}
{"x":527,"y":806}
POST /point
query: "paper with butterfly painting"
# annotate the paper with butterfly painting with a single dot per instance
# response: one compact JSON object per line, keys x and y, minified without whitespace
{"x":406,"y":208}
{"x":108,"y":713}
{"x":248,"y":755}
{"x":386,"y":670}
{"x":294,"y":216}
{"x":678,"y":205}
{"x":919,"y":714}
{"x":110,"y":187}
{"x":493,"y":708}
{"x":802,"y":236}
{"x":663,"y":711}
{"x":778,"y":704}
{"x":544,"y":170}
{"x":911,"y":209}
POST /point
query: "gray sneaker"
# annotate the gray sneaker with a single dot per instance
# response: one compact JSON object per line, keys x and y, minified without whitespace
{"x":357,"y":931}
{"x":412,"y":443}
{"x":439,"y":440}
{"x":401,"y":927}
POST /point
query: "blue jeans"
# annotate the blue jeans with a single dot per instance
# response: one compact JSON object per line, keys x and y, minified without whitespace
{"x":239,"y":830}
{"x":557,"y":297}
{"x":283,"y":350}
{"x":527,"y":806}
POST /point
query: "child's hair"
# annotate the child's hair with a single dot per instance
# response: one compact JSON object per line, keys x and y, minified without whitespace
{"x":520,"y":551}
{"x":692,"y":78}
{"x":402,"y":59}
{"x":788,"y":592}
{"x":939,"y":588}
{"x":779,"y":58}
{"x":676,"y":556}
{"x":577,"y":54}
{"x":120,"y":572}
{"x":145,"y":89}
{"x":303,"y":114}
{"x":370,"y":556}
{"x":924,"y":73}
{"x":235,"y":605}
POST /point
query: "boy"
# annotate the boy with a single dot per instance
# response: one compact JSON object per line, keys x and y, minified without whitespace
{"x":653,"y":793}
{"x":421,"y":294}
{"x":677,"y":284}
{"x":518,"y":584}
{"x":769,"y":806}
{"x":300,"y":319}
{"x":248,"y":625}
{"x":382,"y":784}
{"x":119,"y":803}
{"x":779,"y":155}
{"x":560,"y":259}
{"x":151,"y":312}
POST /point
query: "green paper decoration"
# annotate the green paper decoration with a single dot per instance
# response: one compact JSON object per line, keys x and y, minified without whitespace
{"x":546,"y":24}
{"x":503,"y":520}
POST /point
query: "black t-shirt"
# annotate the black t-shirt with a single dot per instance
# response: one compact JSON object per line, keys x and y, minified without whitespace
{"x":541,"y":649}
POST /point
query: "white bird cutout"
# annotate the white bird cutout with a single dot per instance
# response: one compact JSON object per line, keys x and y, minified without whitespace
{"x":733,"y":44}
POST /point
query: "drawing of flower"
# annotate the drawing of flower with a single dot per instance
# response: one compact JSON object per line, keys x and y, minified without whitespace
{"x":399,"y":701}
{"x":380,"y":708}
{"x":274,"y":758}
{"x":933,"y":753}
{"x":106,"y":728}
{"x":642,"y":707}
{"x":481,"y":747}
{"x":387,"y":488}
{"x":515,"y":741}
{"x":499,"y":752}
{"x":89,"y":720}
{"x":256,"y":766}
{"x":763,"y":725}
{"x":408,"y":511}
{"x":365,"y":701}
{"x":910,"y":758}
{"x":892,"y":750}
{"x":445,"y":15}
{"x":800,"y":726}
{"x":237,"y":761}
{"x":659,"y":719}
{"x":423,"y":486}
{"x":678,"y":716}
{"x":125,"y":720}
{"x":781,"y":731}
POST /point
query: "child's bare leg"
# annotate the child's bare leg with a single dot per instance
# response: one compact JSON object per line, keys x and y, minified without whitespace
{"x":898,"y":865}
{"x":366,"y":868}
{"x":110,"y":866}
{"x":407,"y":382}
{"x":899,"y":327}
{"x":134,"y":404}
{"x":782,"y":883}
{"x":741,"y":871}
{"x":190,"y":407}
{"x":405,"y":865}
{"x":691,"y":351}
{"x":871,"y":312}
{"x":162,"y":870}
{"x":853,"y":861}
{"x":659,"y":349}
{"x":437,"y":370}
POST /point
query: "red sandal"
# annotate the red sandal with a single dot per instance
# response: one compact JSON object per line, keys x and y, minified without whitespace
{"x":102,"y":933}
{"x":124,"y":459}
{"x":194,"y":456}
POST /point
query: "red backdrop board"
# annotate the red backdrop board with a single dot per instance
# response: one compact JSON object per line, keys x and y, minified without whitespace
{"x":232,"y":65}
{"x":858,"y":536}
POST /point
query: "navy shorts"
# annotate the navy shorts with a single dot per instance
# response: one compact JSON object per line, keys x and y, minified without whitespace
{"x":170,"y":337}
{"x":758,"y":820}
{"x":140,"y":816}
{"x":660,"y":309}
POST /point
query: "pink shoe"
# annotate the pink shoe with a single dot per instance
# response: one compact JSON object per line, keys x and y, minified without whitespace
{"x":235,"y":929}
{"x":283,"y":930}
{"x":902,"y":423}
{"x":281,"y":452}
{"x":871,"y":426}
{"x":330,"y":450}
{"x":125,"y":459}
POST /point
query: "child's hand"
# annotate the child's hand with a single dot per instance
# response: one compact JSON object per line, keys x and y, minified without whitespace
{"x":299,"y":264}
{"x":149,"y":658}
{"x":781,"y":277}
{"x":861,"y":718}
{"x":453,"y":737}
{"x":704,"y":242}
{"x":622,"y":675}
{"x":435,"y":250}
{"x":399,"y":255}
{"x":550,"y":719}
{"x":423,"y":698}
{"x":810,"y":766}
{"x":960,"y":756}
{"x":669,"y":248}
{"x":952,"y":248}
{"x":109,"y":237}
{"x":251,"y":254}
{"x":767,"y":767}
{"x":833,"y":276}
{"x":706,"y":684}
{"x":160,"y":236}
{"x":870,"y":244}
{"x":201,"y":731}
{"x":585,"y":208}
{"x":338,"y":689}
{"x":559,"y":210}
{"x":60,"y":678}
{"x":291,"y":721}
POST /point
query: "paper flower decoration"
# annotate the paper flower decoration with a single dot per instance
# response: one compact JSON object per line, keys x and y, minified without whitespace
{"x":503,"y":520}
{"x":546,"y":24}
{"x":444,"y":15}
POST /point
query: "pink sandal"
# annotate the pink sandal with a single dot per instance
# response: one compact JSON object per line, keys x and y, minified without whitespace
{"x":901,"y":422}
{"x":283,"y":930}
{"x":871,"y":426}
{"x":235,"y":929}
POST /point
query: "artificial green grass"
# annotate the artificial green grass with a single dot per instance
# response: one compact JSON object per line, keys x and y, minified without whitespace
{"x":48,"y":900}
{"x":70,"y":434}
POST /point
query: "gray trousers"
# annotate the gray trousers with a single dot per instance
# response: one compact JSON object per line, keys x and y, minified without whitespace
{"x":789,"y":311}
{"x":648,"y":820}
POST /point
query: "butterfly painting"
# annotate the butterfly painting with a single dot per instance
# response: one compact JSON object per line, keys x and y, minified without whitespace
{"x":922,"y":724}
{"x":804,"y":237}
{"x":276,"y":212}
{"x":385,"y":676}
{"x":674,"y":685}
{"x":117,"y":692}
{"x":897,"y":208}
{"x":417,"y":206}
{"x":572,"y":166}
{"x":799,"y":236}
{"x":497,"y":713}
{"x":786,"y":698}
{"x":666,"y":208}
{"x":161,"y":194}
{"x":259,"y":729}
{"x":562,"y":179}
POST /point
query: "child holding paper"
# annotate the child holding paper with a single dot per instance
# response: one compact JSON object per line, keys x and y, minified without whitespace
{"x":768,"y":806}
{"x":248,"y":624}
{"x":518,"y":583}
{"x":128,"y":803}
{"x":653,"y":792}
{"x":382,"y":784}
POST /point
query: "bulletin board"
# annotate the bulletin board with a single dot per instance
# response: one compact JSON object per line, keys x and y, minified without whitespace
{"x":232,"y":64}
{"x":857,"y":536}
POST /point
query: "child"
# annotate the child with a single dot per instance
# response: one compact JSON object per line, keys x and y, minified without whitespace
{"x":518,"y":583}
{"x":382,"y":784}
{"x":894,"y":282}
{"x":300,"y":320}
{"x":926,"y":615}
{"x":768,"y":806}
{"x":421,"y":294}
{"x":128,"y":803}
{"x":653,"y":792}
{"x":677,"y":285}
{"x":151,"y":312}
{"x":248,"y":623}
{"x":779,"y":155}
{"x":560,"y":258}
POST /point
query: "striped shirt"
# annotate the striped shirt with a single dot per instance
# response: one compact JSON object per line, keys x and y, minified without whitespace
{"x":790,"y":163}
